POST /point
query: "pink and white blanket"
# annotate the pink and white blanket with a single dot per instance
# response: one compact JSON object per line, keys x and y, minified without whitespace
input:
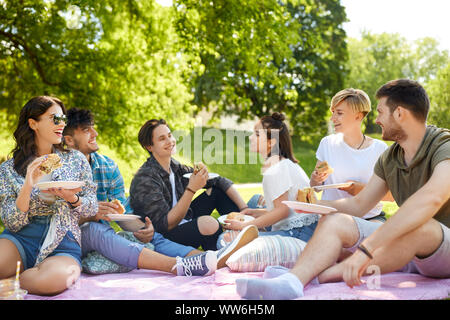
{"x":154,"y":285}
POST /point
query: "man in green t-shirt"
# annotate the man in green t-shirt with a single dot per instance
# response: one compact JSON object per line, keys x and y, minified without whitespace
{"x":416,"y":169}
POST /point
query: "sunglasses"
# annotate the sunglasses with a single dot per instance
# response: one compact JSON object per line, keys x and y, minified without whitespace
{"x":57,"y":119}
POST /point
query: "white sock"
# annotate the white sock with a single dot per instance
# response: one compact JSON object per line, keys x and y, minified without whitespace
{"x":287,"y":286}
{"x":274,"y":271}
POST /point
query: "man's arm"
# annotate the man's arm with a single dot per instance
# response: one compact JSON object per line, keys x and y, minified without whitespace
{"x":365,"y":200}
{"x":417,"y":210}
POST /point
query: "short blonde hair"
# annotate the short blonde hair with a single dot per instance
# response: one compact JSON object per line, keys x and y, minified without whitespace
{"x":357,"y":99}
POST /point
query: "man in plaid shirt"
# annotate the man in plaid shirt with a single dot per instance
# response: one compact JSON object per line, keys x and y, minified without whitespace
{"x":97,"y":234}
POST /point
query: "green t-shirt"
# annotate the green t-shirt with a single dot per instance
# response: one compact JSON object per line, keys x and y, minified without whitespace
{"x":403,"y":180}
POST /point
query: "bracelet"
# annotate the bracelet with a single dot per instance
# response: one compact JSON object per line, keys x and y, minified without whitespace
{"x":189,"y":189}
{"x":365,"y":251}
{"x":72,"y":203}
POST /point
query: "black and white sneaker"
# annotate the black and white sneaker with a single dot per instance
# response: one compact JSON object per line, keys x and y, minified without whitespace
{"x":203,"y":264}
{"x":247,"y":235}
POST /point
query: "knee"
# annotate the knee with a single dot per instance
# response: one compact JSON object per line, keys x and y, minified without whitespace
{"x":207,"y":225}
{"x":47,"y":284}
{"x":341,"y":225}
{"x":428,"y":233}
{"x":334,"y":222}
{"x":94,"y":232}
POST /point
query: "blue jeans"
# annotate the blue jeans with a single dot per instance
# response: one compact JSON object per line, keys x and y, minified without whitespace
{"x":29,"y":239}
{"x":253,"y":202}
{"x":303,"y":233}
{"x":103,"y":239}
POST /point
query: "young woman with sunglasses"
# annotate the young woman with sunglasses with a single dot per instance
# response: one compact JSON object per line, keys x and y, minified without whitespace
{"x":41,"y":227}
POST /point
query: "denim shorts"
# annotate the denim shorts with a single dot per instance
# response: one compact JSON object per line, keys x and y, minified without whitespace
{"x":30,"y":238}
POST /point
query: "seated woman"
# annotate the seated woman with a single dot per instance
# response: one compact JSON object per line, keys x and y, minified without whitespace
{"x":159,"y":191}
{"x":41,"y":227}
{"x":350,"y":153}
{"x":282,"y":178}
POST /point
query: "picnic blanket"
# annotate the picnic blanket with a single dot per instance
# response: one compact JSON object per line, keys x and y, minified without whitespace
{"x":155,"y":285}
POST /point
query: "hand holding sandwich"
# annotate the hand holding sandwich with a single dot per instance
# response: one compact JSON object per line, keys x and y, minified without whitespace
{"x":320,"y":173}
{"x":36,"y":169}
{"x":34,"y":173}
{"x":198,"y":179}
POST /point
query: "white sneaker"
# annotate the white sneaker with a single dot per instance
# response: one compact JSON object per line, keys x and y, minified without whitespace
{"x":247,"y":234}
{"x":203,"y":264}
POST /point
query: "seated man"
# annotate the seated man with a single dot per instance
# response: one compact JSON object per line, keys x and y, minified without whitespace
{"x":97,"y":235}
{"x":416,"y":169}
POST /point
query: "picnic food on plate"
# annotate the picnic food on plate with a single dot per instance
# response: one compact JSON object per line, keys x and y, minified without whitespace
{"x":306,"y":195}
{"x":324,"y":167}
{"x":52,"y":162}
{"x":235,"y":216}
{"x":198,"y":166}
{"x":121,"y":209}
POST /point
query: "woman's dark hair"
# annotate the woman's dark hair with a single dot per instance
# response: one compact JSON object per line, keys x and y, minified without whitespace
{"x":145,"y":135}
{"x":408,"y":94}
{"x":275,"y":127}
{"x":26,"y":150}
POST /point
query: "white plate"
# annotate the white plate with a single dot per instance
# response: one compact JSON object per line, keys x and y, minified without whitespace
{"x":222,"y":219}
{"x":309,"y":207}
{"x":122,"y":217}
{"x":210,"y":175}
{"x":333,"y":186}
{"x":59,"y":184}
{"x":131,"y":225}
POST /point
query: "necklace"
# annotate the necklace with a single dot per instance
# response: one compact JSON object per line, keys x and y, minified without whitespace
{"x":364,"y":139}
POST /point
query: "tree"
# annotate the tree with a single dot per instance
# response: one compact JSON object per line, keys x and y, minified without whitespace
{"x":377,"y":58}
{"x":439,"y":92}
{"x":257,"y":57}
{"x":118,"y":58}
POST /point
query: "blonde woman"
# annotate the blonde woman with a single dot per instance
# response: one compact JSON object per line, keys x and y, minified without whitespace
{"x":349,"y":151}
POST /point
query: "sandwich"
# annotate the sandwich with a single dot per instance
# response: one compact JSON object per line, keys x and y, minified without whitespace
{"x":324,"y":167}
{"x":198,"y":166}
{"x":235,"y":216}
{"x":51,"y":163}
{"x":121,"y":209}
{"x":306,"y":195}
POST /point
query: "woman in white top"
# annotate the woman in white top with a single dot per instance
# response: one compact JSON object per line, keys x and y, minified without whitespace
{"x":282,"y":177}
{"x":348,"y":151}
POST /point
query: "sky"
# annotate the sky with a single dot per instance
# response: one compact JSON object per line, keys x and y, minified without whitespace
{"x":412,"y":19}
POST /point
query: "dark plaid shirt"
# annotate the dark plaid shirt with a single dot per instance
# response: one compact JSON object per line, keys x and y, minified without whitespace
{"x":151,"y":191}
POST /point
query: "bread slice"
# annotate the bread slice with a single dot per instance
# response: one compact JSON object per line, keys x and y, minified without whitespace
{"x":50,"y":164}
{"x":121,"y":209}
{"x":324,"y":167}
{"x":235,"y":216}
{"x":198,"y":166}
{"x":306,"y":195}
